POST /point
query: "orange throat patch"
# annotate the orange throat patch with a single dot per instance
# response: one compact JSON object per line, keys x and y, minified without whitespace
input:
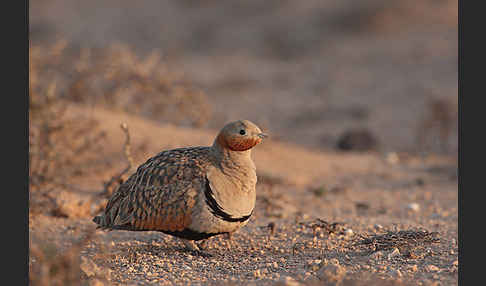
{"x":235,"y":143}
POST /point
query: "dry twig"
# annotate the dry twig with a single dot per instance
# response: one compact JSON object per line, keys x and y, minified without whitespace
{"x":117,"y":179}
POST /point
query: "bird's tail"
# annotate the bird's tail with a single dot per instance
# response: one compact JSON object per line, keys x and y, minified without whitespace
{"x":100,"y":221}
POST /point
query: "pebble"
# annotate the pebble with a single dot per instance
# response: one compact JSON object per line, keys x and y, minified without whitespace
{"x":289,"y":281}
{"x":332,"y":273}
{"x":382,"y":268}
{"x":394,"y":253}
{"x":432,"y":268}
{"x":413,"y":207}
{"x":378,"y":226}
{"x":376,"y":255}
{"x":312,"y":265}
{"x":348,"y":232}
{"x":395,"y":273}
{"x":96,"y":282}
{"x":334,"y":261}
{"x":392,"y":158}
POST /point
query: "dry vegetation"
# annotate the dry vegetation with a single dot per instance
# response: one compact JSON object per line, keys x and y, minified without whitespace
{"x":63,"y":146}
{"x":116,"y":77}
{"x":321,"y":218}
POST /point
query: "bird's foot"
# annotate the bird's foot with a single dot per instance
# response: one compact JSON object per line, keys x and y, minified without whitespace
{"x":229,"y":240}
{"x":202,"y":253}
{"x":203,"y":244}
{"x":195,"y":250}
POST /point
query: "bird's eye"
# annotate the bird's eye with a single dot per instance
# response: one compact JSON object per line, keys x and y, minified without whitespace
{"x":242,"y":132}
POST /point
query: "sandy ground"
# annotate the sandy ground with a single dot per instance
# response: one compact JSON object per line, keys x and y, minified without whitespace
{"x":366,"y":194}
{"x":305,"y":73}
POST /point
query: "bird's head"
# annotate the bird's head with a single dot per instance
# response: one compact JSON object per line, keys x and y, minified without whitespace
{"x":240,"y":135}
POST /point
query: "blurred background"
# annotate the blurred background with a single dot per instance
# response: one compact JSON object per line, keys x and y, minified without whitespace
{"x":378,"y":77}
{"x":327,"y":75}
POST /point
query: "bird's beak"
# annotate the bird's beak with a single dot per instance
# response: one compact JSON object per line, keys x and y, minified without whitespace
{"x":262,"y":135}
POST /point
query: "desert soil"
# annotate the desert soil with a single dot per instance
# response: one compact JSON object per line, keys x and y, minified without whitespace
{"x":317,"y":216}
{"x":305,"y":72}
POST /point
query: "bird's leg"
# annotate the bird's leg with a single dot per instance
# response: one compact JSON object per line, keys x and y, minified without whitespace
{"x":229,"y":237}
{"x":203,"y":244}
{"x":192,"y":247}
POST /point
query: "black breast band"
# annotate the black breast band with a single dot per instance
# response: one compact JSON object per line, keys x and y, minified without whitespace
{"x":217,"y":210}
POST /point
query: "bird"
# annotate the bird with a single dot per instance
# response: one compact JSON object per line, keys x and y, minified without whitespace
{"x":192,"y":193}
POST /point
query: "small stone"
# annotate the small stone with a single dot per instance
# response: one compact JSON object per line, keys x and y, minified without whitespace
{"x":432,"y":268}
{"x":395,"y":273}
{"x":96,"y":282}
{"x":413,"y":268}
{"x":289,"y":281}
{"x":334,"y":261}
{"x":392,"y":158}
{"x":382,"y":268}
{"x":332,"y":274}
{"x":357,"y":140}
{"x":378,"y":226}
{"x":376,"y":255}
{"x":394,"y":253}
{"x":313,"y":266}
{"x":420,"y":181}
{"x":348,"y":232}
{"x":413,"y":207}
{"x":89,"y":267}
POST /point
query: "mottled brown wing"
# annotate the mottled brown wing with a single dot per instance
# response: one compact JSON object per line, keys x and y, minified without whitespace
{"x":160,"y":195}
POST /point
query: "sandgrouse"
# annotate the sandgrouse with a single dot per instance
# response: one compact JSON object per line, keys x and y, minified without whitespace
{"x":192,"y":193}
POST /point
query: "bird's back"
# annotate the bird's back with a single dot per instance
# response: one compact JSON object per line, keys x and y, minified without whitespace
{"x":161,"y":194}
